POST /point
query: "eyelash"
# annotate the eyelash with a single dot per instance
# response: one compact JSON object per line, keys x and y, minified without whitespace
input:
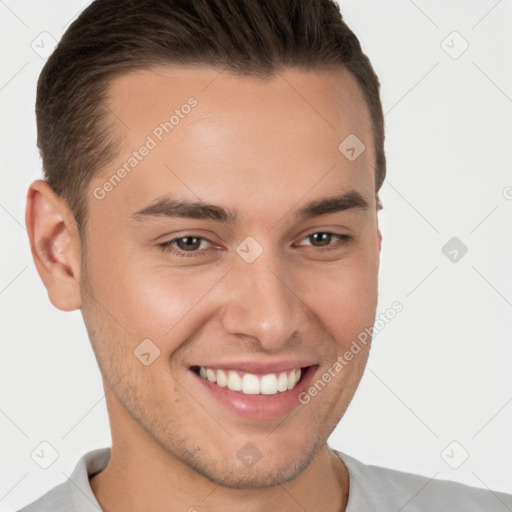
{"x":167,"y":246}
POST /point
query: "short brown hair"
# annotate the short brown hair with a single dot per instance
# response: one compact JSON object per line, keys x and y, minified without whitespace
{"x":247,"y":37}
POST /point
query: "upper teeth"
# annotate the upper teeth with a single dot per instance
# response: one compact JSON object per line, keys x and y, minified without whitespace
{"x":251,"y":384}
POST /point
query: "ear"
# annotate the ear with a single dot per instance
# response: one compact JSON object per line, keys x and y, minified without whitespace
{"x":55,"y":244}
{"x":379,"y":234}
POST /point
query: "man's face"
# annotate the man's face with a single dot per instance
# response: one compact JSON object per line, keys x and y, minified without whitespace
{"x":271,"y":288}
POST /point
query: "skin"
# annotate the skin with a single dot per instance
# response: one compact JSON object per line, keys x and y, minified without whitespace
{"x":262,"y":148}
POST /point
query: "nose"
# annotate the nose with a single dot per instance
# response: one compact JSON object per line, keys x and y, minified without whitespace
{"x":260,"y":303}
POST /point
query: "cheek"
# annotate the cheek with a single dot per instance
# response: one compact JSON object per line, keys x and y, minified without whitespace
{"x":163,"y":303}
{"x":343,"y":296}
{"x":157,"y":301}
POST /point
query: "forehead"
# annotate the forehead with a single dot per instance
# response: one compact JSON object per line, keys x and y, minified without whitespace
{"x":226,"y":138}
{"x":323,"y":100}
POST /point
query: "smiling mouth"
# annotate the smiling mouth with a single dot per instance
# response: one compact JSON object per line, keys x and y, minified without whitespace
{"x":251,"y":384}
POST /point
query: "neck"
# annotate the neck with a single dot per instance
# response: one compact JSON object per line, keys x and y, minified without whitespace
{"x":140,"y":480}
{"x":142,"y":475}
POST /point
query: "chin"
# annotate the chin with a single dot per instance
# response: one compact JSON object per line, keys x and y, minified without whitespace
{"x":261,"y":475}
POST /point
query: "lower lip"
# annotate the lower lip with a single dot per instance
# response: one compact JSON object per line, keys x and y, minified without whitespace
{"x":259,"y":406}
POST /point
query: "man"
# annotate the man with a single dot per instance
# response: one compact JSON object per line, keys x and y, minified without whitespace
{"x":210,"y":202}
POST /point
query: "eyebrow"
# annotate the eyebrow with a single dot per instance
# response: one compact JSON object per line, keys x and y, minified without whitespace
{"x":182,"y":208}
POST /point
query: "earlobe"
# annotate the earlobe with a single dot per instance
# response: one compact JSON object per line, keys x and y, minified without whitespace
{"x":55,"y":244}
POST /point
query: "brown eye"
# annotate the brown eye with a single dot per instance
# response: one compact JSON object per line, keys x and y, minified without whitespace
{"x":188,"y":243}
{"x":186,"y":246}
{"x":324,"y":239}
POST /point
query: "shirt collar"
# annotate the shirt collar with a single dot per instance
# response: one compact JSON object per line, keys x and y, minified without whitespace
{"x":80,"y":488}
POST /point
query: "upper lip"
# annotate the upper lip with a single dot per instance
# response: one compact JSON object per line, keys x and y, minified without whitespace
{"x":260,"y":368}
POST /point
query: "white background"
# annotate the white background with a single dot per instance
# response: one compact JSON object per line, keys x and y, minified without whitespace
{"x":440,"y":372}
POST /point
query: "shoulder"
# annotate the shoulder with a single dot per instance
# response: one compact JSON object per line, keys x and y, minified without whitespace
{"x":56,"y":499}
{"x":379,"y":488}
{"x":75,"y":493}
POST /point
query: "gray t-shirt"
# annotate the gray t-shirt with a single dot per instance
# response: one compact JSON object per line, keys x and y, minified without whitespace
{"x":372,"y":488}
